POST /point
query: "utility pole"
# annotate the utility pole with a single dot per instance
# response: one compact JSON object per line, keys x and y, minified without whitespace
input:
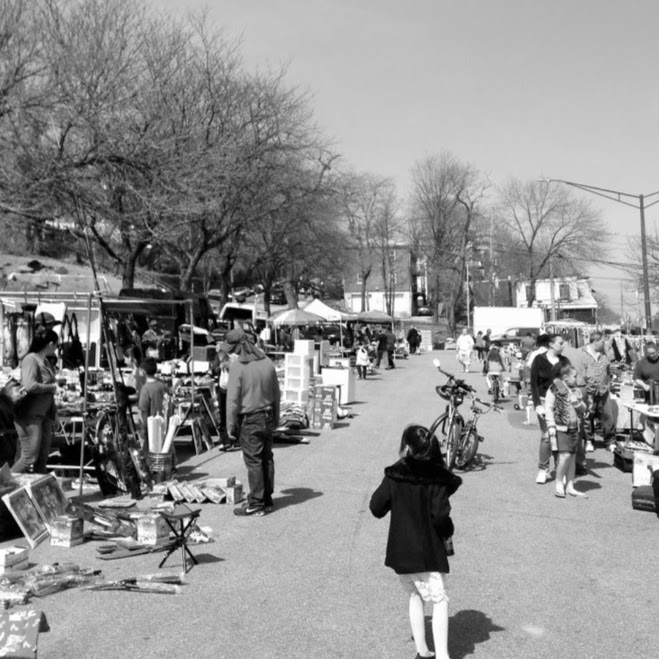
{"x":491,"y":265}
{"x":551,"y":291}
{"x":467,"y":260}
{"x":615,"y":195}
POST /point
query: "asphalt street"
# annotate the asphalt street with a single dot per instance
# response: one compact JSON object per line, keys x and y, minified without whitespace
{"x":532,"y":575}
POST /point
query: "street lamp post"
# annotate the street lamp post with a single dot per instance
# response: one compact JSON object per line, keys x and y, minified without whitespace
{"x":620,"y":197}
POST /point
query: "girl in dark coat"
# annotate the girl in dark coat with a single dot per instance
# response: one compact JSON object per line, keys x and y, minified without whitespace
{"x":416,"y":491}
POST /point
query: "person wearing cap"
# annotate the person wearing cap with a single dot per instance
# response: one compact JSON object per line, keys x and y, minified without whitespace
{"x":252,"y":414}
{"x":44,"y":321}
{"x":152,"y":338}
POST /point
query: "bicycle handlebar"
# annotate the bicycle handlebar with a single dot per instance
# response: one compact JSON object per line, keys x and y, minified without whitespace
{"x":460,"y":383}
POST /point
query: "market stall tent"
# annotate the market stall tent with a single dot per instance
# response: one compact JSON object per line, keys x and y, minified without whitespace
{"x":326,"y":312}
{"x":374,"y":317}
{"x":295,"y":317}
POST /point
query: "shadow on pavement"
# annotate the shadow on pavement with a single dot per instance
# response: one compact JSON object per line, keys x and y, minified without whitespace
{"x":466,"y":629}
{"x":587,"y":486}
{"x":295,"y":495}
{"x":207,"y":558}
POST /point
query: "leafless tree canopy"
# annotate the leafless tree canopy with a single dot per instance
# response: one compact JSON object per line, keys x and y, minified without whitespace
{"x":549,"y":223}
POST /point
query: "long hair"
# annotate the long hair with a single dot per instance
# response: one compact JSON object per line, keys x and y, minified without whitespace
{"x":419,"y":444}
{"x":42,"y":339}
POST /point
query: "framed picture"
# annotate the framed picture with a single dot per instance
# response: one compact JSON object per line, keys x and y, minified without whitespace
{"x":48,"y":498}
{"x":196,"y":437}
{"x":22,"y":508}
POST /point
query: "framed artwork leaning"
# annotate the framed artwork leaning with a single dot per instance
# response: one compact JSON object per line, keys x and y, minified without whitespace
{"x":27,"y":517}
{"x":48,"y":497}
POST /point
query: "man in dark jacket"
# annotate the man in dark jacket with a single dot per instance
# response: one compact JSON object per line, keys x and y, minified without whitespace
{"x":253,"y":408}
{"x":391,"y":347}
{"x":413,"y":338}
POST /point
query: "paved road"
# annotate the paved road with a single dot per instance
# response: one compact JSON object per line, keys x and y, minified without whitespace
{"x":533,"y":575}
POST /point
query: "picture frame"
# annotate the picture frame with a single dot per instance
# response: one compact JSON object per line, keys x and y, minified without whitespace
{"x":20,"y":505}
{"x":197,"y":440}
{"x":48,"y":498}
{"x":212,"y":415}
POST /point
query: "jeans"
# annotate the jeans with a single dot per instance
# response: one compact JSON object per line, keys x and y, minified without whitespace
{"x":35,"y":435}
{"x":256,"y":430}
{"x":545,"y":452}
{"x":602,"y":407}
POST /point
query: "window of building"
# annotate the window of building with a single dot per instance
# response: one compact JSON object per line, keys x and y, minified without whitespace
{"x":564,"y":292}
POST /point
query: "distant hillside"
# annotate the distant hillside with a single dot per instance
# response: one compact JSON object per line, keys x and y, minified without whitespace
{"x":26,"y":273}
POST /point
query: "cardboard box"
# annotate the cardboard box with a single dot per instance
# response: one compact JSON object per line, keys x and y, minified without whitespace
{"x":221,"y":482}
{"x":152,"y":530}
{"x":644,"y":465}
{"x":14,"y":558}
{"x":234,"y":493}
{"x":66,"y":531}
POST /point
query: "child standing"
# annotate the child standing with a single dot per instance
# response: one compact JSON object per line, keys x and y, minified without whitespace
{"x":416,"y":491}
{"x":564,"y":408}
{"x":362,"y":360}
{"x":152,"y":400}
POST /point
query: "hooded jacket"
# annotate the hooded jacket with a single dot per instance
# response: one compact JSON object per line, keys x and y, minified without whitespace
{"x":416,"y":492}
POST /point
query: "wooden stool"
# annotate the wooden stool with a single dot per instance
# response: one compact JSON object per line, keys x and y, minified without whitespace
{"x":181,"y":522}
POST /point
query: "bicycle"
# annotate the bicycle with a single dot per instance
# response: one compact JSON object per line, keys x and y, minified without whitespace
{"x":459,"y":439}
{"x":469,"y":439}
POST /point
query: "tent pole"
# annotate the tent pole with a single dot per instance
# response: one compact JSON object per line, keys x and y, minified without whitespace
{"x":85,"y":383}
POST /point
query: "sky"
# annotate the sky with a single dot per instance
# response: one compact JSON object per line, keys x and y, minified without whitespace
{"x":517,"y":88}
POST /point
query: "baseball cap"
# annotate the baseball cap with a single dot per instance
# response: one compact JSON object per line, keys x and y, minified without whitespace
{"x":231,"y":339}
{"x":45,"y":319}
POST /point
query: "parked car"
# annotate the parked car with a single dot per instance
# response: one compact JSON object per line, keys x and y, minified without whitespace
{"x":277,"y":295}
{"x":515,"y":334}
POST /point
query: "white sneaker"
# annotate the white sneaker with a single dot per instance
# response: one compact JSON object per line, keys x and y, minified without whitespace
{"x":589,"y":447}
{"x":611,"y":448}
{"x":541,"y":478}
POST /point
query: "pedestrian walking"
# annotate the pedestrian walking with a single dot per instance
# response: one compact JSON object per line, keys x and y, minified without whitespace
{"x":391,"y":348}
{"x":252,"y":416}
{"x":416,"y":491}
{"x":362,"y":359}
{"x":464,"y":346}
{"x":413,"y":339}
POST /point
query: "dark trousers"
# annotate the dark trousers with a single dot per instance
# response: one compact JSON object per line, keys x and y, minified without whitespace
{"x":380,"y":355}
{"x":256,"y":431}
{"x":602,"y":407}
{"x":390,"y":358}
{"x":361,"y":370}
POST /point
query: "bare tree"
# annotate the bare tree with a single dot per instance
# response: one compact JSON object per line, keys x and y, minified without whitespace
{"x":445,"y":199}
{"x":364,"y":203}
{"x":550,"y":225}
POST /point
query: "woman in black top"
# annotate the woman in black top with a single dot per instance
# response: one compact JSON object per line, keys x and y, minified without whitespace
{"x":542,"y":375}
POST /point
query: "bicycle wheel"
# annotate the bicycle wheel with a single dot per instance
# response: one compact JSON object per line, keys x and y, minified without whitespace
{"x":495,"y":390}
{"x":453,"y":442}
{"x":467,"y":449}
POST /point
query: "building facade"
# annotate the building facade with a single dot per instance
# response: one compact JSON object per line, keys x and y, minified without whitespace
{"x":573,"y":298}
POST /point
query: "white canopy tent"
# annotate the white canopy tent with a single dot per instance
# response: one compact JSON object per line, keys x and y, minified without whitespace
{"x":326,"y":312}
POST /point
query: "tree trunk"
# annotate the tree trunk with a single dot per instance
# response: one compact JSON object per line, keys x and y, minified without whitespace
{"x":130,"y":264}
{"x":363,"y":291}
{"x":188,"y":271}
